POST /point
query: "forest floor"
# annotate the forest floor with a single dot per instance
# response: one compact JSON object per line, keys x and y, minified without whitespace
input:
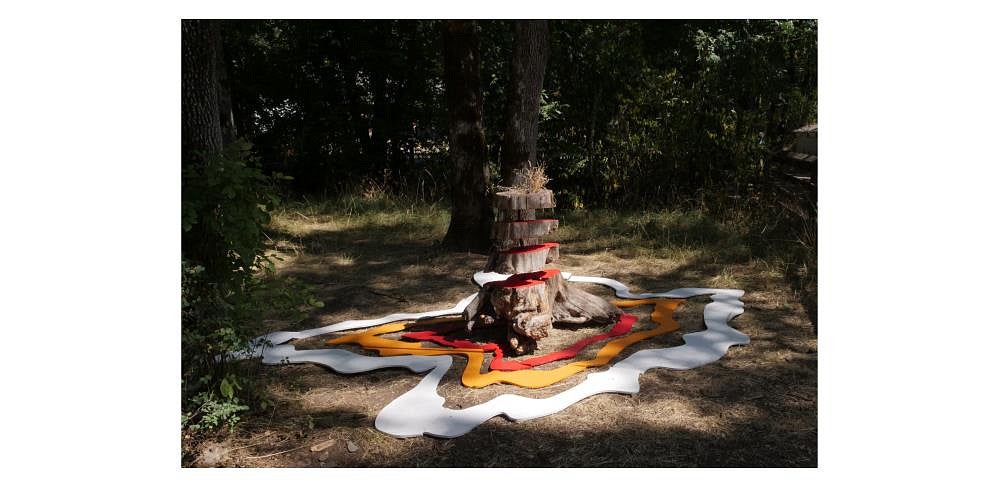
{"x":368,"y":257}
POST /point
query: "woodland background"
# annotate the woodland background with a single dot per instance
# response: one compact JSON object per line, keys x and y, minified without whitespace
{"x":664,"y":136}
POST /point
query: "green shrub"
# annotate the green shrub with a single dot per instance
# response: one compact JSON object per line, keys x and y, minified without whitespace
{"x":226,"y":287}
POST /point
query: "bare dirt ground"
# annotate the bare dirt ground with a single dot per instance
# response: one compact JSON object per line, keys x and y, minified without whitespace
{"x":754,"y":407}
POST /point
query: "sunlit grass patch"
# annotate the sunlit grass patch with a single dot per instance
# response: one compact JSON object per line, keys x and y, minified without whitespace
{"x":356,"y":211}
{"x":730,"y":248}
{"x":341,"y":258}
{"x":675,"y":234}
{"x":724,"y":279}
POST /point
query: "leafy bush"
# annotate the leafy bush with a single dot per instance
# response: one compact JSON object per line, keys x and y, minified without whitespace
{"x":653,"y":112}
{"x":213,"y":412}
{"x":225,"y":289}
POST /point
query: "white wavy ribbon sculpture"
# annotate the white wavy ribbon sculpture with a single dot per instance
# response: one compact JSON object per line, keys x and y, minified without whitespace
{"x":421,"y":411}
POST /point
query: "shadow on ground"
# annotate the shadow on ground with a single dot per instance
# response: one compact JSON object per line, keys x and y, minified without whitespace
{"x":754,"y":407}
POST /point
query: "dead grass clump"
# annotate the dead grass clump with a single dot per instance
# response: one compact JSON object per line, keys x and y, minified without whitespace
{"x":528,"y":180}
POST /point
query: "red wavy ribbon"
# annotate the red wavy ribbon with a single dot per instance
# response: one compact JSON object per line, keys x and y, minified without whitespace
{"x":624,"y":325}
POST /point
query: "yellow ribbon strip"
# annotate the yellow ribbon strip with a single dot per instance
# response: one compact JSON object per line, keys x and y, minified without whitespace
{"x":473,"y":376}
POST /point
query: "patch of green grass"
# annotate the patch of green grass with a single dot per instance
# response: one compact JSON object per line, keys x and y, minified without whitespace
{"x":677,"y":234}
{"x":329,"y":226}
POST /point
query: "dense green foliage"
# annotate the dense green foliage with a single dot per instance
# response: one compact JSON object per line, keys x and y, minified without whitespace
{"x":335,"y":102}
{"x":634,"y":112}
{"x":223,"y":295}
{"x":652,"y":112}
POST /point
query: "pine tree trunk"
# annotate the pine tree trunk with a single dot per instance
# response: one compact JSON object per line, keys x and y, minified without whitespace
{"x":471,"y":212}
{"x":201,"y":132}
{"x":530,"y":53}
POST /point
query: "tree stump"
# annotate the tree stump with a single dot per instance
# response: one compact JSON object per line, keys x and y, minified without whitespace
{"x":534,"y":297}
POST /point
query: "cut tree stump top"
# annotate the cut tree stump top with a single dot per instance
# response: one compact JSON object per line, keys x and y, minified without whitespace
{"x":516,"y":200}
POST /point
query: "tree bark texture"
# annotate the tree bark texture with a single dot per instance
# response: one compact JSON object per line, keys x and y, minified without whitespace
{"x":201,"y":132}
{"x":531,"y":303}
{"x":520,"y":139}
{"x":516,"y":200}
{"x":513,"y":230}
{"x":525,"y":259}
{"x":227,"y":121}
{"x":471,"y":211}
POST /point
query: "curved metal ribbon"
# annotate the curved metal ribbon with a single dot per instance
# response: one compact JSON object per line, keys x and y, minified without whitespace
{"x":421,"y":410}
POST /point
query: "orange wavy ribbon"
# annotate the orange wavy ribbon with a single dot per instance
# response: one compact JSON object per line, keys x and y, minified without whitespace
{"x":473,"y":376}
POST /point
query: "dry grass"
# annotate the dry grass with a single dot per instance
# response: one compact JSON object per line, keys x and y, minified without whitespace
{"x":755,"y":407}
{"x":528,"y":180}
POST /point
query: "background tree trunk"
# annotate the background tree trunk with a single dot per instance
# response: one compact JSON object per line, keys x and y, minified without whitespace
{"x":527,"y":75}
{"x":227,"y":121}
{"x":200,"y":127}
{"x":471,"y":212}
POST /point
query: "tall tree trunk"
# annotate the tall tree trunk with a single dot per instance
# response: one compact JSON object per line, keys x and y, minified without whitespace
{"x":201,"y":132}
{"x":527,"y":75}
{"x":471,"y":212}
{"x":227,"y":121}
{"x":378,"y":120}
{"x":352,"y":99}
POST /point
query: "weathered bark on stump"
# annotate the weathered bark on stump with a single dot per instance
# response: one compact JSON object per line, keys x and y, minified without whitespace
{"x":573,"y":305}
{"x":502,"y":245}
{"x":471,"y":213}
{"x":528,"y":259}
{"x":520,"y":344}
{"x":513,"y":230}
{"x":516,"y":215}
{"x":531,"y":304}
{"x":527,"y":74}
{"x":519,"y":200}
{"x":525,"y":304}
